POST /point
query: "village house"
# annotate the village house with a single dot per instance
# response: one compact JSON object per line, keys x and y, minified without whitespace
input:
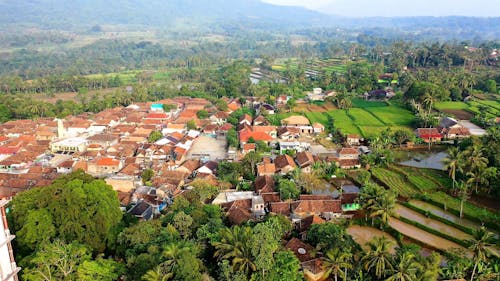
{"x":260,"y":121}
{"x":266,"y":168}
{"x":219,"y":118}
{"x":348,"y":158}
{"x":429,"y":134}
{"x":69,"y":145}
{"x":300,"y":122}
{"x":318,"y":128}
{"x":353,"y":140}
{"x":316,"y":95}
{"x":264,"y":108}
{"x":104,"y":140}
{"x":284,"y":164}
{"x":104,"y":166}
{"x":451,"y":129}
{"x":293,"y":146}
{"x":304,"y":160}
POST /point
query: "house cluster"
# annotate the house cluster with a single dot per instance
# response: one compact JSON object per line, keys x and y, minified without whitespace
{"x":303,"y":212}
{"x":448,"y":129}
{"x":113,"y":145}
{"x":294,"y":133}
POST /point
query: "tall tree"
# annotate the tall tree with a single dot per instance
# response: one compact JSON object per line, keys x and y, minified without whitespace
{"x":481,"y":245}
{"x":406,"y":269}
{"x":235,"y":245}
{"x":378,"y":259}
{"x":336,"y":262}
{"x":452,"y":163}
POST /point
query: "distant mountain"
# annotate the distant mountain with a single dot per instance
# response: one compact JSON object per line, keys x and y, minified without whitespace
{"x":74,"y":14}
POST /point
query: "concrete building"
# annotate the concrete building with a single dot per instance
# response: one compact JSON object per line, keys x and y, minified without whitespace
{"x":8,"y":266}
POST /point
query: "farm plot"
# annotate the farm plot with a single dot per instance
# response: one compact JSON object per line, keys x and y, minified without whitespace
{"x":394,"y":181}
{"x":363,"y":118}
{"x":317,"y":117}
{"x":344,"y":122}
{"x":392,"y":115}
{"x":361,"y":103}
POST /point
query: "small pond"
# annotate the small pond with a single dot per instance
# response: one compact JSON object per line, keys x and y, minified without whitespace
{"x":422,"y":158}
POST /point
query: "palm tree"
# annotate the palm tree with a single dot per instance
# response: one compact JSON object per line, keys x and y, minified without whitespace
{"x":378,"y":258}
{"x":368,"y":197}
{"x":481,"y":246}
{"x":406,"y":269}
{"x":384,"y":207}
{"x":452,"y":163}
{"x":157,"y":274}
{"x":463,"y":193}
{"x":334,"y":261}
{"x":235,"y":245}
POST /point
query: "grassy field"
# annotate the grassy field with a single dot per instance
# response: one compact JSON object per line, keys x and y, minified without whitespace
{"x":362,"y":117}
{"x":392,"y":115}
{"x":361,"y":103}
{"x":344,"y":122}
{"x":317,"y":117}
{"x":465,"y":110}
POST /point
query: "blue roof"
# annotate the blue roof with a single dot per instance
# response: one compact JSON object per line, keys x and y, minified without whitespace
{"x":157,"y":106}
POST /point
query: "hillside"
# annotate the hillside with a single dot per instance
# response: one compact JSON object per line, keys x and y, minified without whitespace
{"x":61,"y":14}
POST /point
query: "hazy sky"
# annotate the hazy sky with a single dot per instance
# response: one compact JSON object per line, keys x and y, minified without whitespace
{"x":390,"y":8}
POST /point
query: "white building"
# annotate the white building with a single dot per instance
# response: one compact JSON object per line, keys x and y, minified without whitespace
{"x":69,"y":145}
{"x":8,"y":267}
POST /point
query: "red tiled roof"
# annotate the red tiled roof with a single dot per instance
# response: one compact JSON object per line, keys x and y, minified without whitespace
{"x":257,"y":136}
{"x":157,"y":116}
{"x":426,"y":133}
{"x":301,"y":250}
{"x":106,"y":161}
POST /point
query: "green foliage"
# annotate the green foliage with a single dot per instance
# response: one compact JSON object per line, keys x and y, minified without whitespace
{"x":232,"y":138}
{"x":147,"y":175}
{"x":100,"y":269}
{"x":287,"y":189}
{"x":329,"y":236}
{"x":191,"y":125}
{"x":74,"y":208}
{"x":155,"y":136}
{"x":202,"y":114}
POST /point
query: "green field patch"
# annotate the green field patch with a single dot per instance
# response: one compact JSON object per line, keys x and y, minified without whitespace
{"x":451,"y":105}
{"x":317,"y":117}
{"x":393,"y":115}
{"x":394,"y":181}
{"x":363,"y":118}
{"x":361,"y":103}
{"x":343,"y":122}
{"x":370,"y":131}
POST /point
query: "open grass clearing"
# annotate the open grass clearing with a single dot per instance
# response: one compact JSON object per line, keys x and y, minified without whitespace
{"x":317,"y":117}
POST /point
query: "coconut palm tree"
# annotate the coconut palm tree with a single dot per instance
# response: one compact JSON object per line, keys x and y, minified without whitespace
{"x":378,"y":258}
{"x":368,"y":197}
{"x":452,"y":163}
{"x":481,"y":245}
{"x":336,"y":262}
{"x":159,"y":273}
{"x":406,"y":269}
{"x":384,"y":207}
{"x":235,"y":245}
{"x":463,"y":193}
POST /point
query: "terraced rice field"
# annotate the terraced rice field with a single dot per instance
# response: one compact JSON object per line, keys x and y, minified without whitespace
{"x":409,"y":214}
{"x":344,"y":122}
{"x":443,"y":214}
{"x":423,"y":236}
{"x":392,"y":115}
{"x":363,"y":234}
{"x":362,"y":117}
{"x":394,"y":181}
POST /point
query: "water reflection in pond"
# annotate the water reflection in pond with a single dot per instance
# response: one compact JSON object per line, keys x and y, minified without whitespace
{"x":422,"y":158}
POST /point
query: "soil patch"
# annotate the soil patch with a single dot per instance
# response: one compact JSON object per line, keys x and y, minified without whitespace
{"x":459,"y":113}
